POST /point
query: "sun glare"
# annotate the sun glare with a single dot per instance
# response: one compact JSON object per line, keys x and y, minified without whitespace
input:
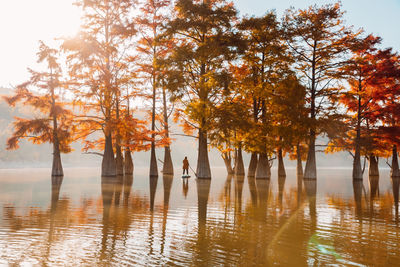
{"x":23,"y":24}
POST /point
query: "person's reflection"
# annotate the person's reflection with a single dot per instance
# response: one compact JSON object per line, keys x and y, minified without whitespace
{"x":107,"y":191}
{"x":253,"y":190}
{"x":203,"y":191}
{"x":395,"y":187}
{"x":153,"y":189}
{"x":357,"y":188}
{"x":167,"y":183}
{"x":185,"y":187}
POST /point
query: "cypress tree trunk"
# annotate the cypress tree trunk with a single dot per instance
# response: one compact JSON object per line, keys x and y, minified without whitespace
{"x":128,"y":162}
{"x":239,"y":170}
{"x":108,"y":166}
{"x":281,"y":165}
{"x":168,"y":167}
{"x":226,"y":156}
{"x":373,"y":166}
{"x":153,"y":161}
{"x":119,"y":160}
{"x":395,"y":172}
{"x":252,"y":165}
{"x":203,"y":164}
{"x":310,"y":171}
{"x":153,"y":158}
{"x":357,"y":171}
{"x":263,"y":170}
{"x":57,"y":169}
{"x":299,"y":162}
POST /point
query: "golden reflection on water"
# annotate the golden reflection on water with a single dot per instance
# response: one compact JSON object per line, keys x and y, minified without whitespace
{"x":233,"y":221}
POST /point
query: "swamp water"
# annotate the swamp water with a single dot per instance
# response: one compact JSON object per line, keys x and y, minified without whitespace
{"x":82,"y":219}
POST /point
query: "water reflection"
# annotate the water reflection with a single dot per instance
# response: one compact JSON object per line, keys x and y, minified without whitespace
{"x":395,"y":188}
{"x":185,"y":187}
{"x":232,"y":222}
{"x":167,"y":183}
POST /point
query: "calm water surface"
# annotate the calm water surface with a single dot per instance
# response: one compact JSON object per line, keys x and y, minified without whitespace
{"x":83,"y":219}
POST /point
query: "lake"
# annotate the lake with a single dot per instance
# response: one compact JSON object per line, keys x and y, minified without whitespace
{"x":84,"y":219}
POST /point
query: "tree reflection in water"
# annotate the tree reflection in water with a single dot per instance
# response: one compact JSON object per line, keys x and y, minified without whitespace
{"x":256,"y":222}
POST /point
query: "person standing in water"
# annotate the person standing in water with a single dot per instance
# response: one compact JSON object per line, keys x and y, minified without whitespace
{"x":185,"y":166}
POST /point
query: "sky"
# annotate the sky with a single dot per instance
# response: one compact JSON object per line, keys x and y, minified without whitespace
{"x":25,"y":22}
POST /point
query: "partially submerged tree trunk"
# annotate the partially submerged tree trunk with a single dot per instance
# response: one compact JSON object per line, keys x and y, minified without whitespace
{"x":252,"y":165}
{"x":226,"y":156}
{"x":128,"y":162}
{"x":203,"y":164}
{"x":108,"y":166}
{"x":153,"y":158}
{"x":153,"y":161}
{"x":357,"y":171}
{"x":281,"y":165}
{"x":373,"y":165}
{"x":119,"y":160}
{"x":299,"y":162}
{"x":263,"y":170}
{"x":57,"y":169}
{"x":310,"y":171}
{"x":395,"y":172}
{"x":168,"y":167}
{"x":239,"y":166}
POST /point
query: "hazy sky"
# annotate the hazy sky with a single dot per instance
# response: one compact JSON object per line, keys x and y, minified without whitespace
{"x":24,"y":22}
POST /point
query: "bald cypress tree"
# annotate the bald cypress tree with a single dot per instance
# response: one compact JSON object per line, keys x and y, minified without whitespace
{"x":43,"y":93}
{"x":317,"y":37}
{"x":203,"y":33}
